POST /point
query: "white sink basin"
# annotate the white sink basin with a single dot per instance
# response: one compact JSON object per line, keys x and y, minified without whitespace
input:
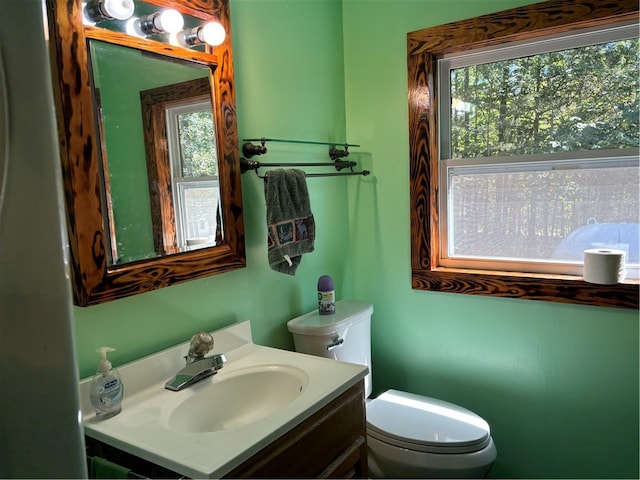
{"x":208,"y":428}
{"x":248,"y":395}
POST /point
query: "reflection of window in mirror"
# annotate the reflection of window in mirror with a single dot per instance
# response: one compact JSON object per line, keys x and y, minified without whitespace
{"x":194,"y":173}
{"x":182,"y":166}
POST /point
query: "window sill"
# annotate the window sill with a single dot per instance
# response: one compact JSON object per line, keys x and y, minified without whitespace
{"x":550,"y":288}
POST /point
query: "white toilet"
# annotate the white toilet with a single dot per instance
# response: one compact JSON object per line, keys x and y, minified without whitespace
{"x":409,"y":436}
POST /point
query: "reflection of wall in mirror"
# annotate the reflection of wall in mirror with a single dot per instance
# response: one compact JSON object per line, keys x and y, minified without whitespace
{"x":121,"y":73}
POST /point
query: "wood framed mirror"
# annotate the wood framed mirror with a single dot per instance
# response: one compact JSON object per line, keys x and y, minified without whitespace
{"x":97,"y":211}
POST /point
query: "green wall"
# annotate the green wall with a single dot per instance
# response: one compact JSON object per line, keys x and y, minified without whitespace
{"x":557,"y":383}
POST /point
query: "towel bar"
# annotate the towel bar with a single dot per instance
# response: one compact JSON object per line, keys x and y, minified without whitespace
{"x":246,"y":165}
{"x":249,"y":150}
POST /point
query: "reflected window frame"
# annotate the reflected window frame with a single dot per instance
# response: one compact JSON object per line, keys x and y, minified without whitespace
{"x":155,"y":104}
{"x":182,"y":184}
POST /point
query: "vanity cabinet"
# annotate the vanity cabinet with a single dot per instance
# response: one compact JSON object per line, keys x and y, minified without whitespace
{"x":331,"y":443}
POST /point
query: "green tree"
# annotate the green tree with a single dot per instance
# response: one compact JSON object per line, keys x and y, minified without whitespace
{"x":197,"y":144}
{"x":576,"y":99}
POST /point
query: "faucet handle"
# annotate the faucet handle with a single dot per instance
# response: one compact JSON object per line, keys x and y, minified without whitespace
{"x":201,"y":344}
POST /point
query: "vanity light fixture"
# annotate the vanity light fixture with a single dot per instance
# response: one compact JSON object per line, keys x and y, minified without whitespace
{"x":98,"y":10}
{"x":211,"y":33}
{"x":168,"y":21}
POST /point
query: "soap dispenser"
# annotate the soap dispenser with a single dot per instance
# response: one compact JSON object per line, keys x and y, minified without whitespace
{"x":106,"y":387}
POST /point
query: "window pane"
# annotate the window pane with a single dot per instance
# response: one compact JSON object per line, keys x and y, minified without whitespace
{"x":550,"y":214}
{"x":197,"y":144}
{"x":576,"y":99}
{"x":199,"y":214}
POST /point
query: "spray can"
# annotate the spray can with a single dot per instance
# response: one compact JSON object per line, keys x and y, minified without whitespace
{"x":326,"y":296}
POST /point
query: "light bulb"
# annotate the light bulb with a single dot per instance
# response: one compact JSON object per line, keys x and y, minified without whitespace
{"x":131,"y":29}
{"x":119,"y":9}
{"x":212,"y":33}
{"x":174,"y":39}
{"x":169,"y":21}
{"x":98,"y":10}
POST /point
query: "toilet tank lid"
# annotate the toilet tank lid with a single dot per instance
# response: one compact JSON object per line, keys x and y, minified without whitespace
{"x":348,"y":312}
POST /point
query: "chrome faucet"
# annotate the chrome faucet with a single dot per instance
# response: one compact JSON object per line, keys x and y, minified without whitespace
{"x":198,"y":366}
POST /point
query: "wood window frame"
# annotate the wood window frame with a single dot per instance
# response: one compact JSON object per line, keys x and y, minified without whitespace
{"x":423,"y":48}
{"x":154,"y":103}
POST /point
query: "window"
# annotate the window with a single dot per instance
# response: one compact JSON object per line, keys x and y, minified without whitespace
{"x":538,"y":140}
{"x":182,"y":165}
{"x":194,"y":173}
{"x":533,"y":154}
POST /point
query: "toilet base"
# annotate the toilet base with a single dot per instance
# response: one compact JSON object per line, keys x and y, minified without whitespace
{"x":388,"y":461}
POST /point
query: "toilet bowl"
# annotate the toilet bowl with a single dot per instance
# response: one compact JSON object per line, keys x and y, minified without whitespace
{"x":412,"y":436}
{"x":408,"y":435}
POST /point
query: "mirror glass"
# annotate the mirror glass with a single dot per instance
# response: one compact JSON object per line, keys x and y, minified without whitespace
{"x":156,"y":122}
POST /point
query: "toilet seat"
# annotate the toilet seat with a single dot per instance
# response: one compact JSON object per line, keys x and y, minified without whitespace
{"x":425,"y":424}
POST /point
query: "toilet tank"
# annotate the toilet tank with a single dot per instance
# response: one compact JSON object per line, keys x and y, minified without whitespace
{"x":344,"y":335}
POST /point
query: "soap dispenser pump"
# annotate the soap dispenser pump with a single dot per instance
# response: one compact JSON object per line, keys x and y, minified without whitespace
{"x":106,"y":387}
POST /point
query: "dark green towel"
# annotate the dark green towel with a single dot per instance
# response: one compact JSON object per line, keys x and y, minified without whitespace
{"x":101,"y":468}
{"x":290,"y":224}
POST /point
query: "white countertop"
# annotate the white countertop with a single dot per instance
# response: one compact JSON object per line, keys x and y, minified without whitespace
{"x":142,"y":427}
